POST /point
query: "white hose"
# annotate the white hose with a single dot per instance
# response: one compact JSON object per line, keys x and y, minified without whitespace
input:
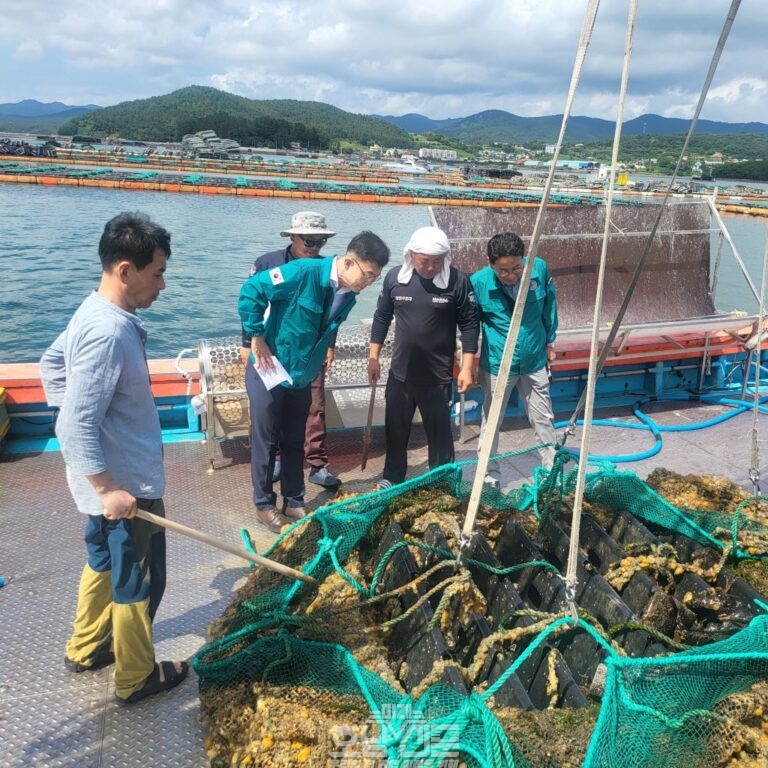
{"x":186,"y":374}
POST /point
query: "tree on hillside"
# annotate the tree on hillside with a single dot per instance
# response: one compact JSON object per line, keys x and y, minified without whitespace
{"x":756,"y":170}
{"x":169,"y":117}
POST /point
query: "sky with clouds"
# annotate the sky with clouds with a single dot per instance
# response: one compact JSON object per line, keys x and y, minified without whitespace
{"x":440,"y":58}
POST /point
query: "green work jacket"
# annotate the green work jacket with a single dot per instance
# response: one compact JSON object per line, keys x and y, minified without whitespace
{"x":299,"y":295}
{"x":539,"y":324}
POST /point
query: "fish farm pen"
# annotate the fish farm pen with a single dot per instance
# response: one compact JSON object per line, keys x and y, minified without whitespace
{"x":324,"y":182}
{"x":418,"y":646}
{"x":203,"y":183}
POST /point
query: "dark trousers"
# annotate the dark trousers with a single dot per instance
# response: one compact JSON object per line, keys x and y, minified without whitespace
{"x":315,"y":453}
{"x":134,"y":552}
{"x":434,"y":404}
{"x":279,"y":413}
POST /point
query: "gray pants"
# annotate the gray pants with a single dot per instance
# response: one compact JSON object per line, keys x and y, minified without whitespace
{"x":534,"y":392}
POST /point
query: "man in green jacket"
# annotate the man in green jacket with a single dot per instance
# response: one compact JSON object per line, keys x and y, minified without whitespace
{"x":308,"y":299}
{"x":496,"y":291}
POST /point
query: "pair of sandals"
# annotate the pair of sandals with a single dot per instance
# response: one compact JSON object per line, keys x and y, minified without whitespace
{"x":163,"y":677}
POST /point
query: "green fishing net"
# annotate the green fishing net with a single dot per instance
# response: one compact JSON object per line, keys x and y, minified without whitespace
{"x":417,"y":648}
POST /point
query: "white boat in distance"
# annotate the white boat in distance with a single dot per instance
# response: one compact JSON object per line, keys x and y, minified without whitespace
{"x":406,"y":164}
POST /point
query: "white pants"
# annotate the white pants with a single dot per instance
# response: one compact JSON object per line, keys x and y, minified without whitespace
{"x":534,"y":392}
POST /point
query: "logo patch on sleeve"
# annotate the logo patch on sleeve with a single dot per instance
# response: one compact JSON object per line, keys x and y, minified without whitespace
{"x":276,"y":276}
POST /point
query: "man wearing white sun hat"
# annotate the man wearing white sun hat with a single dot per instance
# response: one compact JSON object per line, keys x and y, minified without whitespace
{"x":308,"y":234}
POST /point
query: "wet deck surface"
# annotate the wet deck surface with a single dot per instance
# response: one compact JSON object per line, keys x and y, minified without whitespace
{"x":52,"y":718}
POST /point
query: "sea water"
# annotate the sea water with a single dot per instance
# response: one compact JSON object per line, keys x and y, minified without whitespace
{"x":48,"y":252}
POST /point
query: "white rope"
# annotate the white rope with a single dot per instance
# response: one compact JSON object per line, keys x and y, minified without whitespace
{"x":571,"y":580}
{"x":589,"y":394}
{"x":754,"y":470}
{"x":663,"y":205}
{"x":719,"y":253}
{"x":495,"y":415}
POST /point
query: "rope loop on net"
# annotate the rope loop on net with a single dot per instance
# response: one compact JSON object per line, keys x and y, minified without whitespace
{"x":570,"y":599}
{"x":569,"y":430}
{"x":411,"y":738}
{"x":754,"y":472}
{"x":465,"y":542}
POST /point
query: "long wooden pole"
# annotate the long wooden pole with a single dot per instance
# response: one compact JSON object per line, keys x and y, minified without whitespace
{"x":171,"y":525}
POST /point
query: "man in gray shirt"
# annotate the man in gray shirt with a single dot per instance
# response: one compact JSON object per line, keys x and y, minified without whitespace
{"x":96,"y":373}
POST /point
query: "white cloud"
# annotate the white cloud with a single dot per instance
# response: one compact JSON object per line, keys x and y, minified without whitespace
{"x":741,"y":91}
{"x":442,"y":58}
{"x":29,"y":50}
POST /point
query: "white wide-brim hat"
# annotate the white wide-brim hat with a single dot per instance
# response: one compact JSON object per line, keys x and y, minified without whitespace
{"x":308,"y":223}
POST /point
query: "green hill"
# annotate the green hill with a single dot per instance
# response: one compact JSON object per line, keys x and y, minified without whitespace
{"x":497,"y":126}
{"x":251,"y":122}
{"x":742,"y":146}
{"x":751,"y":170}
{"x":24,"y":124}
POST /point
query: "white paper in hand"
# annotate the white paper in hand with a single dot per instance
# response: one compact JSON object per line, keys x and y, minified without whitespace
{"x":272,"y":378}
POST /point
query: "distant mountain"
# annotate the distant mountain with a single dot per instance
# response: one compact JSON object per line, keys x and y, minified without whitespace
{"x":668,"y":126}
{"x":33,"y":108}
{"x":31,"y":116}
{"x":279,"y":121}
{"x":251,"y":122}
{"x":496,"y":125}
{"x":415,"y":123}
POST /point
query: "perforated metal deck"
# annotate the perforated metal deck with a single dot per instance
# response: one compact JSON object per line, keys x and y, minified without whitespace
{"x":53,"y":719}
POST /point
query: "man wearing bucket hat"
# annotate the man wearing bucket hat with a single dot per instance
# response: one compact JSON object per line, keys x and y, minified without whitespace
{"x":308,"y":233}
{"x":429,"y":300}
{"x":308,"y":299}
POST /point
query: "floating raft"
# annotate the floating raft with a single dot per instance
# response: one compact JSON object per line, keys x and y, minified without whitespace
{"x":212,"y":184}
{"x":317,"y":182}
{"x":301,"y":168}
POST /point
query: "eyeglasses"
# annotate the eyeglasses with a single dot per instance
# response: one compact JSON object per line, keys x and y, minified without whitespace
{"x":371,"y":277}
{"x":312,"y":242}
{"x":502,"y":272}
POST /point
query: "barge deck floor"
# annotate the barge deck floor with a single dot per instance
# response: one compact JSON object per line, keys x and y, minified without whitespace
{"x":53,"y":719}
